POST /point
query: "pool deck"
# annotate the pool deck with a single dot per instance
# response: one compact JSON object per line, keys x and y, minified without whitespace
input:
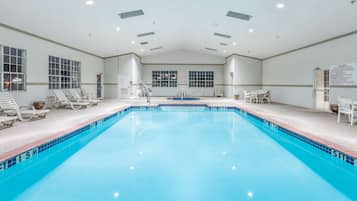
{"x":319,"y":126}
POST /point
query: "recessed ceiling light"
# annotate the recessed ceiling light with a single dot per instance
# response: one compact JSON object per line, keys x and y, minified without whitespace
{"x":90,"y":3}
{"x":117,"y":29}
{"x":251,"y":30}
{"x":234,"y":43}
{"x":280,"y":5}
{"x":250,"y":194}
{"x":224,"y":51}
{"x":133,"y":42}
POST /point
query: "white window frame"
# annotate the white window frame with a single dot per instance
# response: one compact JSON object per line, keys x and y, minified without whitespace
{"x":169,"y":82}
{"x":63,"y":73}
{"x":23,"y":65}
{"x":201,"y":79}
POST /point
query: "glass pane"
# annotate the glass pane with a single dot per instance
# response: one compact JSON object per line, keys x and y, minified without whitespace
{"x":13,"y":60}
{"x":6,"y":59}
{"x":6,"y":50}
{"x":6,"y":68}
{"x":13,"y":51}
{"x":13,"y":68}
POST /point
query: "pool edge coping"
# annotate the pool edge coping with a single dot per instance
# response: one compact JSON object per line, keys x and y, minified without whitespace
{"x":4,"y":157}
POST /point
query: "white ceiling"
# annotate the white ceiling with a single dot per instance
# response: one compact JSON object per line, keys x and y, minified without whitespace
{"x":184,"y":24}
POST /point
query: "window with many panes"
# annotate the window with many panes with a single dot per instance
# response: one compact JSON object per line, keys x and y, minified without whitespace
{"x":12,"y":72}
{"x":63,"y":73}
{"x":201,"y":79}
{"x":164,"y":78}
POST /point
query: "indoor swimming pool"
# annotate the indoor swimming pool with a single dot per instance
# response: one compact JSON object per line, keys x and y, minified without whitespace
{"x":174,"y":153}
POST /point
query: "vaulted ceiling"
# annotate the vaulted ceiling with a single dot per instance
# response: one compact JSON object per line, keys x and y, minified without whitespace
{"x":184,"y":24}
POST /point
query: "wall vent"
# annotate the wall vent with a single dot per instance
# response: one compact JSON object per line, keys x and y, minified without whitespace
{"x":156,"y":48}
{"x":146,"y":34}
{"x":240,"y":16}
{"x":211,"y":49}
{"x":222,"y":35}
{"x":223,"y":44}
{"x":144,"y":43}
{"x":129,"y":14}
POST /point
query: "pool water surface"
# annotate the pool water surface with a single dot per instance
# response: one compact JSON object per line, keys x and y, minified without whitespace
{"x":181,"y":154}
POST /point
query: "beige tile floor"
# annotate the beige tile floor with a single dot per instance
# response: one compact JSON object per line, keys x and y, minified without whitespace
{"x":320,"y":124}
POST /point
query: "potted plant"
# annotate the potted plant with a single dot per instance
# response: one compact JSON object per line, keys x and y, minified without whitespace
{"x":236,"y":95}
{"x":39,"y":105}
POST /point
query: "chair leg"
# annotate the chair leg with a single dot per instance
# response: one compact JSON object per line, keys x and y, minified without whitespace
{"x":352,"y":119}
{"x":338,"y":117}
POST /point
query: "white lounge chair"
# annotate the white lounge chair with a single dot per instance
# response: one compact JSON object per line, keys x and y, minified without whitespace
{"x":347,"y":107}
{"x":266,"y":97}
{"x":247,"y":96}
{"x":62,"y":100}
{"x":10,"y":107}
{"x":6,"y":122}
{"x":75,"y":96}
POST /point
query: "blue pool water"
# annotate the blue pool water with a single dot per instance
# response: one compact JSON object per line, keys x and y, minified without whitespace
{"x":180,"y":154}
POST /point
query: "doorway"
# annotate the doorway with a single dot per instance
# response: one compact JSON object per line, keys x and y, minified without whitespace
{"x":321,"y":89}
{"x":100,"y":85}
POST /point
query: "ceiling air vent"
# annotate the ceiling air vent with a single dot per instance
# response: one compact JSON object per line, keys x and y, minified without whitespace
{"x":144,"y":43}
{"x":240,"y":16}
{"x":129,"y":14}
{"x":146,"y":34}
{"x":222,"y":35}
{"x":211,"y":49}
{"x":156,"y":48}
{"x":223,"y":44}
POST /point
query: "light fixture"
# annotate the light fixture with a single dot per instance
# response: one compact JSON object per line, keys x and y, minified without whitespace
{"x":133,"y":42}
{"x":90,"y":3}
{"x":224,"y":51}
{"x":117,"y":29}
{"x":251,"y":30}
{"x":116,"y":195}
{"x":132,"y":167}
{"x":250,"y":194}
{"x":234,"y":167}
{"x":280,"y":5}
{"x":234,"y":43}
{"x":142,"y":50}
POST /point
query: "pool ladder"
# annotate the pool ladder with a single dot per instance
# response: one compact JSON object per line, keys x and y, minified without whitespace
{"x":182,"y":94}
{"x":147,"y":93}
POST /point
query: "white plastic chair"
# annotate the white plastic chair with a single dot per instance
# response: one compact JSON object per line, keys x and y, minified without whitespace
{"x":346,"y":107}
{"x":63,"y":100}
{"x":77,"y":97}
{"x":247,"y":96}
{"x":10,"y":107}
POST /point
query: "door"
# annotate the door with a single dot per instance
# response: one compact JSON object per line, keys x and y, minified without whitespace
{"x":322,"y":89}
{"x":100,"y":85}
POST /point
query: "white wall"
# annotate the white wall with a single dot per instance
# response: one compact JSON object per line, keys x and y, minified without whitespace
{"x":184,"y":61}
{"x":122,"y":76}
{"x":247,"y":75}
{"x":182,"y":79}
{"x":182,"y":57}
{"x":38,"y":51}
{"x":290,"y":76}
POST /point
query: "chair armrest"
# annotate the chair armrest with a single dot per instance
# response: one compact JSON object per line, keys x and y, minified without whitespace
{"x":26,"y":107}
